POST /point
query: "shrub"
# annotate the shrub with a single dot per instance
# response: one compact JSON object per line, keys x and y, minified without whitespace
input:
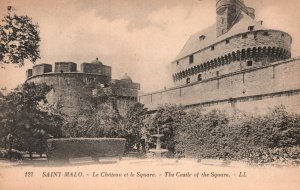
{"x":260,"y":139}
{"x":168,"y":119}
{"x":15,"y":154}
{"x":63,"y":149}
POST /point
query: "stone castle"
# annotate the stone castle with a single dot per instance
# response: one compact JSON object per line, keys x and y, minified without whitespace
{"x":73,"y":89}
{"x":235,"y":64}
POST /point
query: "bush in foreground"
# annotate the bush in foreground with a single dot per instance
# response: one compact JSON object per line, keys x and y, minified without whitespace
{"x":274,"y":137}
{"x":63,"y":149}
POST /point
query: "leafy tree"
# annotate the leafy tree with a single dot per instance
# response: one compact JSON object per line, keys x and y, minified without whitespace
{"x":101,"y":118}
{"x":26,"y":118}
{"x":168,"y":119}
{"x":134,"y":129}
{"x":19,"y":39}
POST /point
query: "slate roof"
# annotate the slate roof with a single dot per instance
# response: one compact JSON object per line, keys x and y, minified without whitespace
{"x":194,"y":44}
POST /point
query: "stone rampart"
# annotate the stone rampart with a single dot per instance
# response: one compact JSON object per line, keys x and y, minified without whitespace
{"x":71,"y":91}
{"x":260,"y":47}
{"x":257,"y":87}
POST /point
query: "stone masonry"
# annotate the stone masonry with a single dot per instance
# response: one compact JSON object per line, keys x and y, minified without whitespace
{"x":73,"y":90}
{"x":235,"y":64}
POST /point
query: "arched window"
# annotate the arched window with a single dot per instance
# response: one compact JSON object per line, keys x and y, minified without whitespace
{"x":202,"y":38}
{"x":200,"y":77}
{"x":191,"y":59}
{"x":244,"y":36}
{"x":188,"y":81}
{"x":249,"y":63}
{"x":266,"y":33}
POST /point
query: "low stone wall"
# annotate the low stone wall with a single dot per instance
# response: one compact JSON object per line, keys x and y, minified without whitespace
{"x":66,"y":148}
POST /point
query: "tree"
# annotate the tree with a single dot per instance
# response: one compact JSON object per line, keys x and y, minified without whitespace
{"x":27,"y":119}
{"x":100,"y":118}
{"x":168,"y":119}
{"x":134,"y":127}
{"x":19,"y":39}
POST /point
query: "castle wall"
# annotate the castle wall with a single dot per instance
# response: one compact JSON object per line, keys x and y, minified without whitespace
{"x":65,"y":67}
{"x":245,"y":90}
{"x":42,"y":68}
{"x":259,"y":47}
{"x":72,"y":91}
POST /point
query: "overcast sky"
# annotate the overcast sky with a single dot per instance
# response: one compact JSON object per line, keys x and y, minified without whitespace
{"x":138,"y":37}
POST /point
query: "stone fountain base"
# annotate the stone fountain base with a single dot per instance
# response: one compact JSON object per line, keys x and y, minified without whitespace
{"x":158,"y":150}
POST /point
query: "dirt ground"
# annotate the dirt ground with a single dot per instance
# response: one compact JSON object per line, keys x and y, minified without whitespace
{"x":145,"y":174}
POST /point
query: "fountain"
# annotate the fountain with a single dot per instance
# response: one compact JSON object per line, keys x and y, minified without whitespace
{"x":158,"y":150}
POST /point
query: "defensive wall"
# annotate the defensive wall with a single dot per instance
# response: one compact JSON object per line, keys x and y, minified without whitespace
{"x":233,"y":54}
{"x":252,"y":90}
{"x":74,"y":90}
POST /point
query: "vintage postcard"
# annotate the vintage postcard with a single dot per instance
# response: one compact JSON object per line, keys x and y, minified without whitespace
{"x":149,"y":94}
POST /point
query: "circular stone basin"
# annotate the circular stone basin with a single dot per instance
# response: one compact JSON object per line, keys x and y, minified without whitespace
{"x":158,"y":135}
{"x":158,"y":150}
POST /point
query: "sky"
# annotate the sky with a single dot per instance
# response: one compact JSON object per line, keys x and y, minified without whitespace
{"x":138,"y":37}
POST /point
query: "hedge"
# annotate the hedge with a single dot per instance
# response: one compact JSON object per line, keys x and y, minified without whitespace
{"x":65,"y":148}
{"x":274,"y":137}
{"x":15,"y":154}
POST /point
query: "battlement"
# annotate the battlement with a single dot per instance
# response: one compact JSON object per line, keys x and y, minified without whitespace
{"x":65,"y":67}
{"x":73,"y":90}
{"x":251,"y":85}
{"x":41,"y":69}
{"x":95,"y":67}
{"x":235,"y":43}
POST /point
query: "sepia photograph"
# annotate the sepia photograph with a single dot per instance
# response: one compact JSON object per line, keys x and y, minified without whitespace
{"x":149,"y":94}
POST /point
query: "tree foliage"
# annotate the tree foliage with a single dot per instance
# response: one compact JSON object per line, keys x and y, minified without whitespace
{"x":100,"y":119}
{"x":27,"y":119}
{"x":265,"y":138}
{"x":134,"y":127}
{"x":19,"y":39}
{"x":103,"y":119}
{"x":167,"y":119}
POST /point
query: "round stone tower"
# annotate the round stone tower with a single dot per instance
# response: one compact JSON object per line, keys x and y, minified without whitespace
{"x":226,"y":15}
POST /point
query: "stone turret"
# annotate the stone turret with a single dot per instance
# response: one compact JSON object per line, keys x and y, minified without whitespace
{"x":41,"y":69}
{"x":226,"y":15}
{"x":228,"y":12}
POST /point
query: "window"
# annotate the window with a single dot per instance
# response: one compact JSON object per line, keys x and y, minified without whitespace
{"x":249,"y":63}
{"x":217,"y":73}
{"x":282,"y":35}
{"x":191,"y":59}
{"x":202,"y":37}
{"x":244,"y":36}
{"x":177,"y":62}
{"x":222,"y":21}
{"x":227,"y":41}
{"x":250,"y":28}
{"x":200,"y":77}
{"x":266,"y":33}
{"x":212,"y":48}
{"x":188,"y":81}
{"x":255,"y":35}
